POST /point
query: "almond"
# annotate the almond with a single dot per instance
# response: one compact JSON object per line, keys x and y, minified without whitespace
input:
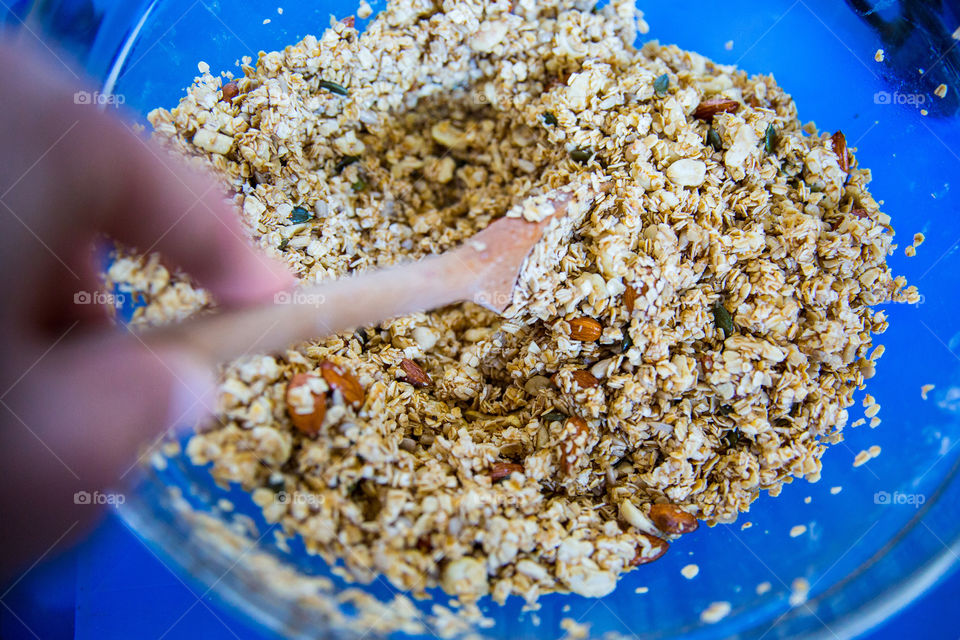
{"x":651,"y":551}
{"x":585,"y":379}
{"x":709,"y":108}
{"x":308,"y":423}
{"x":229,"y":92}
{"x":501,"y":470}
{"x":585,"y":329}
{"x":415,"y":375}
{"x":629,"y":298}
{"x":581,"y":378}
{"x":573,"y":444}
{"x":344,"y":381}
{"x":349,"y":21}
{"x":840,"y":148}
{"x":671,"y":519}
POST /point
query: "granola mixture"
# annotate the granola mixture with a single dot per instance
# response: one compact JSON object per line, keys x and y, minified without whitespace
{"x":690,"y":341}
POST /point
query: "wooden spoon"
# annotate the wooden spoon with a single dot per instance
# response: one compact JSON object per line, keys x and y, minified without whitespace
{"x":483,"y":269}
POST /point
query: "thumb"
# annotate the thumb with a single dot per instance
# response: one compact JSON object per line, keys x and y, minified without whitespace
{"x":79,"y":422}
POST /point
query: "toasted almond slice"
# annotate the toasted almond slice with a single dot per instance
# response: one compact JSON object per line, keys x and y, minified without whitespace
{"x":671,"y":519}
{"x":585,"y":329}
{"x":711,"y":107}
{"x":344,"y":381}
{"x":415,"y":375}
{"x":311,"y":422}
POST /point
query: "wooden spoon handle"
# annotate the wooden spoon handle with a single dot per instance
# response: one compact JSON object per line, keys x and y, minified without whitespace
{"x":322,"y":310}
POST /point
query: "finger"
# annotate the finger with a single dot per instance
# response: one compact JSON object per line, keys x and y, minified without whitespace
{"x":75,"y":171}
{"x":79,"y":421}
{"x":185,"y":216}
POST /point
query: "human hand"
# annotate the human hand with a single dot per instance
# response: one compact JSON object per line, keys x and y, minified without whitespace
{"x":78,"y":397}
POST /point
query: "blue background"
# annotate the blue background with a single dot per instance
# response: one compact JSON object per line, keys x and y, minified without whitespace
{"x":112,"y":586}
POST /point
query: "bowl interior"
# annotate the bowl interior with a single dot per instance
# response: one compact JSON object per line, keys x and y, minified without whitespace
{"x":865,"y":550}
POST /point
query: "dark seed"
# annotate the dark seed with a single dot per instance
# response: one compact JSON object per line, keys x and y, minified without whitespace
{"x":549,"y":118}
{"x":345,"y":162}
{"x":713,"y":139}
{"x":554,"y":416}
{"x":625,"y":344}
{"x":722,"y":319}
{"x":300,"y":215}
{"x":581,"y":155}
{"x":333,"y":87}
{"x":770,"y":139}
{"x":284,"y":243}
{"x":661,"y":84}
{"x":359,"y":185}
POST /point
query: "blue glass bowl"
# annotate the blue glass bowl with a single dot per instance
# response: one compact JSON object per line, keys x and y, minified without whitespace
{"x":894,"y":528}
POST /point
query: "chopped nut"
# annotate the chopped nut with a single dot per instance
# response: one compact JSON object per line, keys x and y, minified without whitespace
{"x":344,"y":381}
{"x":213,"y":141}
{"x":415,"y":375}
{"x":687,"y":172}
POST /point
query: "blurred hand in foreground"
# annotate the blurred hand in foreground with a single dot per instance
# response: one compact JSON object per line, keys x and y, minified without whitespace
{"x":79,"y":398}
